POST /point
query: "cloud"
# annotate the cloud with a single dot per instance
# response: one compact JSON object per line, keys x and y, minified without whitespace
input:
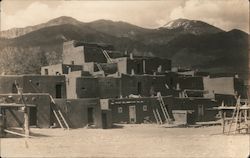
{"x":224,"y":14}
{"x":143,"y":13}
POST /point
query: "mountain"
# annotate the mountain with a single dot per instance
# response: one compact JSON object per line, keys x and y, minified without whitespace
{"x":16,"y":32}
{"x":191,"y":26}
{"x":209,"y":49}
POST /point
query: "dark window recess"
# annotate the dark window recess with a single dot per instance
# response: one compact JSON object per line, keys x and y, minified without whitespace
{"x":46,"y":71}
{"x":139,"y":68}
{"x":104,"y":121}
{"x":139,"y":88}
{"x":90,"y":116}
{"x":72,"y":62}
{"x":14,"y":88}
{"x":38,"y":84}
{"x":58,"y":91}
{"x":171,"y":81}
{"x":33,"y":118}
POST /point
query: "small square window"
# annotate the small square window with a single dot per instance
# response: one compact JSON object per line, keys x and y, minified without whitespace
{"x":119,"y":109}
{"x":145,"y":108}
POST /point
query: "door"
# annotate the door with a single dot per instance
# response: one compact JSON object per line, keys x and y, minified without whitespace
{"x":90,"y":116}
{"x":33,"y":118}
{"x":200,"y":112}
{"x":104,"y":121}
{"x":132,"y":114}
{"x":58,"y":91}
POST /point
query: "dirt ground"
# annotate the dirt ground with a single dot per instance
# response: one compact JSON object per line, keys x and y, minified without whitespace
{"x":128,"y":141}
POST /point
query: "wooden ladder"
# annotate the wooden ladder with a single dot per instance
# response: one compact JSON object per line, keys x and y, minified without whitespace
{"x":105,"y":53}
{"x":157,"y":116}
{"x":163,"y":108}
{"x":237,"y":118}
{"x":58,"y":114}
{"x":99,"y":67}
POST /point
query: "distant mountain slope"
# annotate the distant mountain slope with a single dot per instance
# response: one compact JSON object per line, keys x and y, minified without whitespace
{"x":16,"y":32}
{"x":211,"y":50}
{"x":191,"y":26}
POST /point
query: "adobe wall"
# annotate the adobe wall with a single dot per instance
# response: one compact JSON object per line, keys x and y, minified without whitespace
{"x":72,"y":54}
{"x":141,"y":114}
{"x":109,"y":87}
{"x":145,"y":85}
{"x":44,"y":84}
{"x":92,"y":54}
{"x":7,"y":83}
{"x":76,"y":111}
{"x":193,"y":104}
{"x":195,"y":83}
{"x":221,"y":85}
{"x":82,"y":87}
{"x":39,"y":116}
{"x":60,"y":69}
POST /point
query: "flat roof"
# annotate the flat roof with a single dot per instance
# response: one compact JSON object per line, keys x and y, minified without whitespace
{"x":15,"y":105}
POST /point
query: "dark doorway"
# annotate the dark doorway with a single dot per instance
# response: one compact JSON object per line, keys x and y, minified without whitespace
{"x":139,"y":88}
{"x":33,"y":118}
{"x":90,"y":116}
{"x":58,"y":91}
{"x":139,"y":68}
{"x":14,"y":88}
{"x":104,"y":121}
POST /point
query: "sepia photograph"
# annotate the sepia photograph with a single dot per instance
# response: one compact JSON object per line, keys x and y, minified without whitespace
{"x":124,"y":78}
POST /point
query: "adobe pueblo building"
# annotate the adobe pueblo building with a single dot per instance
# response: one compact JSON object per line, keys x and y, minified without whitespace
{"x":97,"y":86}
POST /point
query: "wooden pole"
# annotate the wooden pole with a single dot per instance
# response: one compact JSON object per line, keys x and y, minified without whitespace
{"x":25,"y":110}
{"x":15,"y":133}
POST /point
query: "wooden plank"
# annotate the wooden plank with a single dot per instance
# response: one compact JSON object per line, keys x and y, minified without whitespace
{"x":19,"y":134}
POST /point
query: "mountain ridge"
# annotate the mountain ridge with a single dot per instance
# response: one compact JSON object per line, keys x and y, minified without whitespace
{"x":222,"y":51}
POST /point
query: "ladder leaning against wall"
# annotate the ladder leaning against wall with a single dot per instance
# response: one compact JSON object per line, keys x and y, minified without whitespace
{"x":58,"y":114}
{"x":163,"y":108}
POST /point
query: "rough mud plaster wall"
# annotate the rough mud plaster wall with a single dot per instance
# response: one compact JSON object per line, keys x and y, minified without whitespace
{"x":42,"y":102}
{"x":122,"y":65}
{"x":227,"y":99}
{"x":52,"y":69}
{"x":152,"y":64}
{"x":136,"y":65}
{"x":71,"y":53}
{"x":76,"y":111}
{"x":171,"y":79}
{"x":7,"y":83}
{"x":90,"y":67}
{"x":151,"y":103}
{"x":187,"y":104}
{"x":87,"y":87}
{"x":71,"y":87}
{"x":129,"y":85}
{"x":221,"y":85}
{"x":109,"y":87}
{"x":191,"y":83}
{"x":109,"y":68}
{"x":60,"y":68}
{"x":94,"y":55}
{"x":240,"y":88}
{"x":44,"y":84}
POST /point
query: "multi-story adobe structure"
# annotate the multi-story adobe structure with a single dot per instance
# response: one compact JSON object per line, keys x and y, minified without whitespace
{"x":96,"y":85}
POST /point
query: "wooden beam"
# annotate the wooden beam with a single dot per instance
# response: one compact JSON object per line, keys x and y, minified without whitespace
{"x":19,"y":134}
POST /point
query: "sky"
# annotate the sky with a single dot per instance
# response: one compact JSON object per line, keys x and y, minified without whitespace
{"x":225,"y":14}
